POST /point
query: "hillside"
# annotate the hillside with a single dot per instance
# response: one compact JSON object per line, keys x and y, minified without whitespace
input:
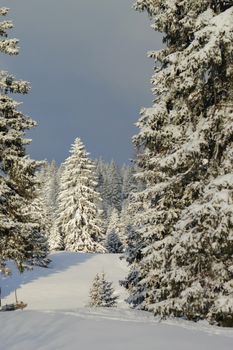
{"x":65,"y":283}
{"x":57,"y":316}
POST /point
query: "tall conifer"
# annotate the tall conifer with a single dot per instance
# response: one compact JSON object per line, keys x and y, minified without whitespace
{"x":79,"y":219}
{"x":185,"y":158}
{"x":21,"y":237}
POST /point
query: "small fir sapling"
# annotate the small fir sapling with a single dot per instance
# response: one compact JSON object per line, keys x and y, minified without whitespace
{"x":102,"y":292}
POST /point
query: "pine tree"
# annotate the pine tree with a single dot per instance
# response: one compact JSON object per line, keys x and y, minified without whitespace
{"x":21,"y":237}
{"x":102,"y":293}
{"x":78,"y":218}
{"x":185,"y":159}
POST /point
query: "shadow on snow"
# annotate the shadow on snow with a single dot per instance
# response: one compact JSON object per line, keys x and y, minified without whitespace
{"x":60,"y":261}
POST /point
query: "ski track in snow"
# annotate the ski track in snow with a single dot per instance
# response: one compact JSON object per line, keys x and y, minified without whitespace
{"x":142,"y":317}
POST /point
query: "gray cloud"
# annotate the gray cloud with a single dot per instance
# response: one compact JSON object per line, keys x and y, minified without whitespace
{"x":86,"y":61}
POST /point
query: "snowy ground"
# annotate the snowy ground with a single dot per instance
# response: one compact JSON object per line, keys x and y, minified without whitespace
{"x":66,"y":283}
{"x":58,"y":318}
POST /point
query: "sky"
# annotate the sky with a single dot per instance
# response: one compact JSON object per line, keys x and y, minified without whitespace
{"x":87,"y":65}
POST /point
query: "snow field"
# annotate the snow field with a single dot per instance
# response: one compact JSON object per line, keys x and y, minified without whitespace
{"x":57,"y":316}
{"x":65,"y":284}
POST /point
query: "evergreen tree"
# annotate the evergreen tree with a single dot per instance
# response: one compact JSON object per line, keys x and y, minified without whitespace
{"x":113,"y":234}
{"x":21,"y":237}
{"x":103,"y":187}
{"x":100,"y":174}
{"x":185,"y":159}
{"x":113,"y":221}
{"x":102,"y":293}
{"x":38,"y":241}
{"x":115,"y":186}
{"x":113,"y":242}
{"x":78,"y":218}
{"x":133,"y":256}
{"x":110,"y":186}
{"x":55,"y":239}
{"x":50,"y":180}
{"x":51,"y":187}
{"x":124,"y":222}
{"x":128,"y":181}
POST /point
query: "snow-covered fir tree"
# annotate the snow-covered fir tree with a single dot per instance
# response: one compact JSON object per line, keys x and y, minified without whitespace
{"x":113,"y":220}
{"x":50,"y":181}
{"x":113,"y":242}
{"x":110,"y":179}
{"x":103,"y":187}
{"x":55,"y":240}
{"x":38,"y":242}
{"x":133,"y":255}
{"x":114,"y":236}
{"x":21,"y":236}
{"x":78,"y":217}
{"x":115,"y":183}
{"x":51,"y":187}
{"x":125,"y":221}
{"x":100,"y":174}
{"x":102,"y":293}
{"x":128,"y":181}
{"x":184,"y":215}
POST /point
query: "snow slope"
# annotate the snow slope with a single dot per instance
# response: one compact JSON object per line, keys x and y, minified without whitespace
{"x":57,"y":317}
{"x":66,"y":283}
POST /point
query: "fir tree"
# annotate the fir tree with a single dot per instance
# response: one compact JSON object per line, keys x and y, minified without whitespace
{"x":39,"y":241}
{"x":113,"y":242}
{"x":21,"y":237}
{"x":102,"y":293}
{"x":78,"y":218}
{"x":128,"y":181}
{"x":115,"y":189}
{"x":133,"y":256}
{"x":114,"y":185}
{"x":50,"y":182}
{"x":103,"y":188}
{"x":51,"y":187}
{"x":185,"y":159}
{"x":55,"y":239}
{"x":124,"y":222}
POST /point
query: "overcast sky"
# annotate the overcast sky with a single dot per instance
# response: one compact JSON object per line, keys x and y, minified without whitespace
{"x":86,"y":62}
